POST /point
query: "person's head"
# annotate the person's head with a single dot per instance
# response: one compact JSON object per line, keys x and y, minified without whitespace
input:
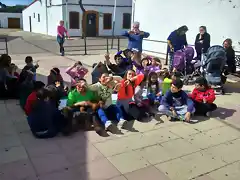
{"x":37,"y":85}
{"x":54,"y":72}
{"x":43,"y":94}
{"x":156,"y":61}
{"x":81,"y":85}
{"x":61,"y":23}
{"x":118,"y":59}
{"x":165,"y":74}
{"x":29,"y":60}
{"x":227,"y":43}
{"x":78,"y":65}
{"x":128,"y":53}
{"x":201,"y":84}
{"x":175,"y":75}
{"x":5,"y":60}
{"x":152,"y":77}
{"x":144,"y":62}
{"x":129,"y":74}
{"x":103,"y":78}
{"x":202,"y":29}
{"x":182,"y":30}
{"x":13,"y":67}
{"x":135,"y":27}
{"x":176,"y":85}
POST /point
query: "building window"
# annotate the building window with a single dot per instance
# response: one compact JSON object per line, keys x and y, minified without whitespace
{"x":74,"y":20}
{"x":38,"y":17}
{"x":33,"y":15}
{"x":107,"y":21}
{"x":126,"y":21}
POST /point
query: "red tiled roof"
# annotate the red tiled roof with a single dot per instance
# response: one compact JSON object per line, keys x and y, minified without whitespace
{"x":30,"y":4}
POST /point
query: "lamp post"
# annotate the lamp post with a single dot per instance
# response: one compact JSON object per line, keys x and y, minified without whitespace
{"x":113,"y":22}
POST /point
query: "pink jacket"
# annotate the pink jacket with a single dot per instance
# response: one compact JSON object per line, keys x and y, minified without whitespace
{"x":61,"y":30}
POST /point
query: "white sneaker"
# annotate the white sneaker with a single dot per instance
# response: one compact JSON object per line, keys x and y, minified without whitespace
{"x":193,"y":120}
{"x":208,"y":114}
{"x":107,"y":124}
{"x":122,"y":123}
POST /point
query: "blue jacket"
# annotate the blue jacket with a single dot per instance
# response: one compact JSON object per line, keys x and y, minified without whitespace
{"x":178,"y":42}
{"x":135,"y":40}
{"x":169,"y":100}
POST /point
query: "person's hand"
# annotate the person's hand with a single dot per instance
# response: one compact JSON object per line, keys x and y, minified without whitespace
{"x":107,"y":57}
{"x":159,"y":94}
{"x":126,"y":83}
{"x":201,"y":41}
{"x":187,"y":116}
{"x":101,"y":104}
{"x":141,"y":33}
{"x":130,"y":32}
{"x":57,"y":84}
{"x":204,"y":100}
{"x":83,"y":103}
{"x":117,"y":87}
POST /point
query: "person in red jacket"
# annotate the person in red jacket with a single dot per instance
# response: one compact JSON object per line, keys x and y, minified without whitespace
{"x":203,"y":97}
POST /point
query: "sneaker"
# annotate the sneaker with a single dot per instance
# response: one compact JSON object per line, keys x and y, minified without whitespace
{"x":193,"y":120}
{"x":113,"y":129}
{"x":208,"y":114}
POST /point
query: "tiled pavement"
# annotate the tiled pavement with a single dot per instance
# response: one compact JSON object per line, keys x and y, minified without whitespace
{"x":208,"y":150}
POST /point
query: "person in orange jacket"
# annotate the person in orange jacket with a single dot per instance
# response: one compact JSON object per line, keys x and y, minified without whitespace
{"x":203,"y":97}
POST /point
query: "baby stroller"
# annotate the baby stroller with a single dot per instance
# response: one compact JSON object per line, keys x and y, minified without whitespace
{"x":213,"y":66}
{"x":183,"y":63}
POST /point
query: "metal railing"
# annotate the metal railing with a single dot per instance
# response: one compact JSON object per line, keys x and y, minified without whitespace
{"x":4,"y":40}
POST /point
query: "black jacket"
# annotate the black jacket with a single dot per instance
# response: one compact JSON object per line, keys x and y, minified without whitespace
{"x":206,"y":42}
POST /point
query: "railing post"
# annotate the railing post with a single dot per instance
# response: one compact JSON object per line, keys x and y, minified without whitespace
{"x":166,"y":61}
{"x":85,"y":44}
{"x":6,"y":46}
{"x":118,"y":39}
{"x":107,"y":46}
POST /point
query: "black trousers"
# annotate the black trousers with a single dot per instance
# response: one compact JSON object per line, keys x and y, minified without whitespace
{"x":203,"y":108}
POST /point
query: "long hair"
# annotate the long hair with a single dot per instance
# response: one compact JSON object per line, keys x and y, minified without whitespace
{"x":181,"y":29}
{"x":204,"y":27}
{"x":131,"y":83}
{"x":150,"y":83}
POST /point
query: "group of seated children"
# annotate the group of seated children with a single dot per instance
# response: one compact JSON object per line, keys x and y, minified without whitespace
{"x":138,"y":93}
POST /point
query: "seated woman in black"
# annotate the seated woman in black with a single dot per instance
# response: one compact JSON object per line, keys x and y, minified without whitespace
{"x":202,"y":41}
{"x":227,"y":44}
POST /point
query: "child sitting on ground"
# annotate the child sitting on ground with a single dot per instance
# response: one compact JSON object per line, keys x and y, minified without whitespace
{"x":29,"y":66}
{"x":154,"y":88}
{"x":155,"y":65}
{"x":176,"y":103}
{"x":55,"y":76}
{"x":166,"y":80}
{"x":107,"y":111}
{"x":44,"y":119}
{"x":143,"y":67}
{"x":77,"y":71}
{"x":203,"y":97}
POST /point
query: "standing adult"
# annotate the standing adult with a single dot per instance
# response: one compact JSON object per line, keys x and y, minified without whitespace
{"x":202,"y":41}
{"x":135,"y":38}
{"x":176,"y":41}
{"x":61,"y":32}
{"x":230,"y":53}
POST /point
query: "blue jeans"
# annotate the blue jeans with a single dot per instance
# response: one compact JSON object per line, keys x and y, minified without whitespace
{"x":113,"y":112}
{"x":152,"y":98}
{"x":60,"y":41}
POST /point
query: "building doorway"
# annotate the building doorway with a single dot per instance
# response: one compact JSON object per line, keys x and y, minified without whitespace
{"x":14,"y":23}
{"x":90,"y":23}
{"x":30,"y":24}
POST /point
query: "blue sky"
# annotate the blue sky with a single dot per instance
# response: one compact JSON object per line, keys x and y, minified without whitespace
{"x":14,"y":2}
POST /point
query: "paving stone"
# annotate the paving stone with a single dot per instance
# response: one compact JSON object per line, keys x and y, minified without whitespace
{"x":98,"y":170}
{"x":167,"y":151}
{"x":119,"y":178}
{"x":49,"y":162}
{"x":230,"y":172}
{"x":205,"y":177}
{"x":65,"y":174}
{"x":17,"y":170}
{"x":213,"y":137}
{"x":150,"y":173}
{"x":228,"y":152}
{"x":190,"y":166}
{"x":128,"y":162}
{"x":182,"y":130}
{"x":93,"y":137}
{"x":132,"y":142}
{"x":12,"y":154}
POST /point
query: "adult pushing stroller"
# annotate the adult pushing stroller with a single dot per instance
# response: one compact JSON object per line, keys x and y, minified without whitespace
{"x":214,"y":65}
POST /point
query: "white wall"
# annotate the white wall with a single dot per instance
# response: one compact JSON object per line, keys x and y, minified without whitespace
{"x":55,"y":14}
{"x":37,"y":27}
{"x":162,"y":17}
{"x":4,"y":19}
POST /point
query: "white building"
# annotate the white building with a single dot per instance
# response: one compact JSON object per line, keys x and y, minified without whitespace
{"x":43,"y":16}
{"x":11,"y":20}
{"x":161,"y":17}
